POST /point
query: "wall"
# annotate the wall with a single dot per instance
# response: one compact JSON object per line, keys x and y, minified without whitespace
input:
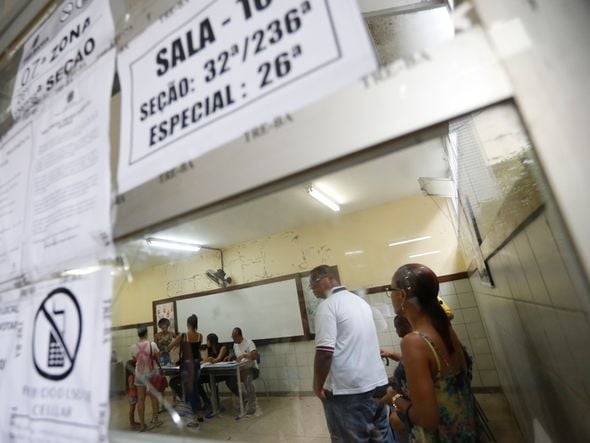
{"x":124,"y":338}
{"x":543,"y":45}
{"x":302,"y":249}
{"x":538,"y":320}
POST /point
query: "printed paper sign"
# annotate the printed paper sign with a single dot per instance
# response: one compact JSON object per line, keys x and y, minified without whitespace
{"x":15,"y":161}
{"x":68,"y":220}
{"x":54,"y":363}
{"x":75,"y":35}
{"x":206,"y":72}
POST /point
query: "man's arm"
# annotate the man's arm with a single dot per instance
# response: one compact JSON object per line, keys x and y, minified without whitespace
{"x":325,"y":341}
{"x":249,"y":355}
{"x":321,"y":369}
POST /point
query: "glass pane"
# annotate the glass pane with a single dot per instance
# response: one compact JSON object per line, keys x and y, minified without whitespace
{"x":252,"y":271}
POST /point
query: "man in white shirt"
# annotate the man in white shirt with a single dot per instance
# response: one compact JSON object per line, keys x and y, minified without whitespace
{"x":245,"y":349}
{"x":349,"y":376}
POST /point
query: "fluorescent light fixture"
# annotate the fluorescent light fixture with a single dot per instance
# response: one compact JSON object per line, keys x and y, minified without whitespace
{"x":171,"y":244}
{"x":411,"y":240}
{"x":82,"y":271}
{"x":357,"y":252}
{"x":323,"y":199}
{"x":424,"y":253}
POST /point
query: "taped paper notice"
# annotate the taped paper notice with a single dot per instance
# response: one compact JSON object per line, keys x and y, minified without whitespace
{"x":209,"y":71}
{"x":15,"y":161}
{"x":54,"y":361}
{"x":74,"y":36}
{"x":69,"y":218}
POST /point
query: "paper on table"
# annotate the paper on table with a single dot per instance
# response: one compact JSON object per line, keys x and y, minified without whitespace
{"x":69,"y":217}
{"x":225,"y":363}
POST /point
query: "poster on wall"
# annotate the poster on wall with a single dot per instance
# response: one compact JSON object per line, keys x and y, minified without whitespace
{"x":166,"y":310}
{"x":15,"y":160}
{"x":54,"y":360}
{"x":206,"y":72}
{"x":74,"y":36}
{"x":68,"y":210}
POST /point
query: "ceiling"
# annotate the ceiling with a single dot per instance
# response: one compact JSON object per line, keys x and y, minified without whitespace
{"x":388,"y":178}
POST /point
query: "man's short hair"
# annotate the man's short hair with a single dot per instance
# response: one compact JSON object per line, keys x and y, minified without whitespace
{"x":324,"y":271}
{"x":239,"y":331}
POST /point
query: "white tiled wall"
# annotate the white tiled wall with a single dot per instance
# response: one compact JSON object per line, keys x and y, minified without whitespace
{"x":124,"y":338}
{"x":468,"y":325}
{"x":538,"y":320}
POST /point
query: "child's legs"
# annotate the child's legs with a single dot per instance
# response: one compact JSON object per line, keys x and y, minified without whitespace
{"x":155,"y":411}
{"x":132,"y":412}
{"x":141,"y":404}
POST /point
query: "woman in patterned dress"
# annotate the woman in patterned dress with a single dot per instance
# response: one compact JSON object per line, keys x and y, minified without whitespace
{"x":441,"y":405}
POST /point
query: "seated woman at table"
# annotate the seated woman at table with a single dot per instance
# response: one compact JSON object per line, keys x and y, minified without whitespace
{"x":215,"y":354}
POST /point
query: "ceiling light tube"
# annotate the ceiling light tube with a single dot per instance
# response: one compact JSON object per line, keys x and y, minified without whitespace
{"x":424,"y":253}
{"x":323,"y":199}
{"x":411,"y":240}
{"x":171,"y":244}
{"x":356,"y":252}
{"x":82,"y":271}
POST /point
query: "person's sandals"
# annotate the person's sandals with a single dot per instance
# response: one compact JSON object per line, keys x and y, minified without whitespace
{"x":155,"y":423}
{"x":193,"y":424}
{"x":144,"y":428}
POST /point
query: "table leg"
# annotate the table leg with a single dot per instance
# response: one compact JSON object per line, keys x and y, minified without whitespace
{"x":240,"y":391}
{"x":214,"y":397}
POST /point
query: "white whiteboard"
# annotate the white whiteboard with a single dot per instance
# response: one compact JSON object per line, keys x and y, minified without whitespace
{"x":262,"y":312}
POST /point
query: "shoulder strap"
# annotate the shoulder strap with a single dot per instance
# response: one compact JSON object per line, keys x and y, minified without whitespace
{"x":151,"y":356}
{"x":432,"y":348}
{"x":141,"y":351}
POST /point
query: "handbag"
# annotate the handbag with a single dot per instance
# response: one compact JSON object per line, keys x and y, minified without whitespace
{"x":157,"y":379}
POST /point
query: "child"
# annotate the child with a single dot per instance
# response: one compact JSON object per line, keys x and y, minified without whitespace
{"x":131,"y":392}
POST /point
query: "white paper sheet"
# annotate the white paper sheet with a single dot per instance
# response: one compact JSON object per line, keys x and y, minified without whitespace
{"x":73,"y":37}
{"x":15,"y":161}
{"x":54,"y":361}
{"x":68,"y":219}
{"x":209,"y":71}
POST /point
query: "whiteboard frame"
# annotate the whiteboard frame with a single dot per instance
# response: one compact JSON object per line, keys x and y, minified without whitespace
{"x":300,"y":296}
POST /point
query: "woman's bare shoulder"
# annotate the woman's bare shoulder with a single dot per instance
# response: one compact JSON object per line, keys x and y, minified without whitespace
{"x":412,"y":341}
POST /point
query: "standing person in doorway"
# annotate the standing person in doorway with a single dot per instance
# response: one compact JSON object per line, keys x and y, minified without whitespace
{"x":349,"y":376}
{"x":245,"y":349}
{"x":441,"y":404}
{"x":144,"y":352}
{"x":190,"y":366}
{"x":163,"y":339}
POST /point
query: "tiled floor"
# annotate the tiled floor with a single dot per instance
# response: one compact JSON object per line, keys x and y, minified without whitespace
{"x":283,"y":419}
{"x":500,"y":418}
